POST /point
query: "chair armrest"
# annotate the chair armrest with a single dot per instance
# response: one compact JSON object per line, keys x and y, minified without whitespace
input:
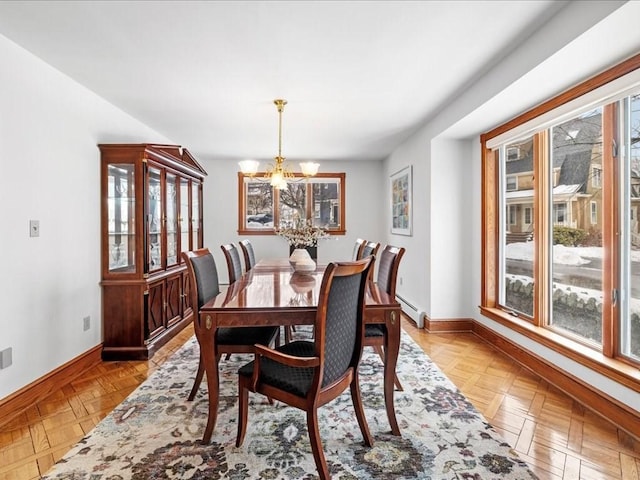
{"x":291,"y":360}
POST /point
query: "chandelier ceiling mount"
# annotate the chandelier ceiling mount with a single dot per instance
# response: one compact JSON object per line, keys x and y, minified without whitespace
{"x":278,"y":174}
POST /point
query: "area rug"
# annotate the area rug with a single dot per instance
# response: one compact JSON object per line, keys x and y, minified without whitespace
{"x":155,"y":433}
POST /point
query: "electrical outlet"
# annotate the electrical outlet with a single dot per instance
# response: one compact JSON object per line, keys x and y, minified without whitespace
{"x":400,"y":280}
{"x":6,"y":358}
{"x":86,"y":323}
{"x":34,"y":228}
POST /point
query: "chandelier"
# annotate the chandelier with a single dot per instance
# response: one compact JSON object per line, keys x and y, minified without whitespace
{"x":278,"y":174}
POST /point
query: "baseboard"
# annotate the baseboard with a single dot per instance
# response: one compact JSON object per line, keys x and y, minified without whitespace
{"x":603,"y":405}
{"x":446,"y":325}
{"x":16,"y":403}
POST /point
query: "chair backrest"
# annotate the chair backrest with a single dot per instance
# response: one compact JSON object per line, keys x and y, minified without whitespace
{"x":249,"y":255}
{"x":357,"y":249}
{"x":234,"y":265}
{"x":339,"y":326}
{"x":388,"y":263}
{"x":369,"y":248}
{"x":203,"y":275}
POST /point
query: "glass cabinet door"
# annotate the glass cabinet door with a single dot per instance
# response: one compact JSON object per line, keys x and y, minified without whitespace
{"x":184,"y":215}
{"x":195,"y":215}
{"x":154,"y":219}
{"x":121,"y":217}
{"x":172,"y":220}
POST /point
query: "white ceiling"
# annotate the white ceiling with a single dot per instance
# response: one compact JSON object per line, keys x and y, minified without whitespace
{"x":359,"y":76}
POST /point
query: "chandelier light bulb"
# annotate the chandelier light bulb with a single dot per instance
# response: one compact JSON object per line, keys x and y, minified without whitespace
{"x":309,"y":169}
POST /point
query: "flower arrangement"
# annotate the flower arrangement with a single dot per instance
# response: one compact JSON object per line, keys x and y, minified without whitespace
{"x":304,"y":235}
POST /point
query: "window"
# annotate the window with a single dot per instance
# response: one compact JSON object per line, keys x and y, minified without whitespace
{"x":513,"y":210}
{"x":513,"y":152}
{"x":559,"y":213}
{"x":262,"y":209}
{"x":596,"y":177}
{"x":576,"y":286}
{"x":512,"y":183}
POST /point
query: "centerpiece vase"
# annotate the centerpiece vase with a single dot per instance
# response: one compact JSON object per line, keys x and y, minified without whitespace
{"x":312,"y":251}
{"x":297,"y":255}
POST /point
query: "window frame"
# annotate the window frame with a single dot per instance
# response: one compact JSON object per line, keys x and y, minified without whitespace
{"x":242,"y":202}
{"x":608,"y":361}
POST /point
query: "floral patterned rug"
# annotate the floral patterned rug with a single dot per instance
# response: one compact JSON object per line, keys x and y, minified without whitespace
{"x":155,"y":433}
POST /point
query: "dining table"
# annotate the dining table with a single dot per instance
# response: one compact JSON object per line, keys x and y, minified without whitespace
{"x":273,"y":294}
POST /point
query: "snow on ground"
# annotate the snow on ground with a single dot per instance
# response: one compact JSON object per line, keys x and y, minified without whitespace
{"x":567,"y":256}
{"x":561,"y":254}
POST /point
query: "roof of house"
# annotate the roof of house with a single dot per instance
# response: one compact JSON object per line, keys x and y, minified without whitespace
{"x":573,"y":145}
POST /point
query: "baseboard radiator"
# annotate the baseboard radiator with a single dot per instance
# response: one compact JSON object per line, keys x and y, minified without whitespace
{"x":411,"y":311}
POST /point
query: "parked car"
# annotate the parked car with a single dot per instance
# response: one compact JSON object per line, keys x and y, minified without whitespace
{"x":260,"y":218}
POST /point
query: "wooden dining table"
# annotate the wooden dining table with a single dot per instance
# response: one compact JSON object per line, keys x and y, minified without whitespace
{"x":271,"y":293}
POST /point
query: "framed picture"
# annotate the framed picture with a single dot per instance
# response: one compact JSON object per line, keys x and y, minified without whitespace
{"x":401,"y":193}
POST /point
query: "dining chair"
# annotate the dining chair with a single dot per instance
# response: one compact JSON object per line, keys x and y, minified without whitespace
{"x":203,"y":275}
{"x":308,"y":374}
{"x":234,"y":265}
{"x":375,"y":335}
{"x":357,"y":249}
{"x":248,"y":254}
{"x":369,"y":248}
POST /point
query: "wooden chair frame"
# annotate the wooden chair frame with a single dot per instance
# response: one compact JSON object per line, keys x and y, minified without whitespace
{"x":221,"y":349}
{"x":316,"y":395}
{"x":387,"y":274}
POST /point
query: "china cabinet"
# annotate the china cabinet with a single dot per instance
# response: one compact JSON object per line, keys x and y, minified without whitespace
{"x":151,"y":211}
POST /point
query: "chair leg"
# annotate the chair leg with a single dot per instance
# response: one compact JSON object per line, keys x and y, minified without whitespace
{"x":380,"y":352}
{"x":243,"y":411}
{"x":316,"y":444}
{"x":197,"y":381}
{"x":356,"y":398}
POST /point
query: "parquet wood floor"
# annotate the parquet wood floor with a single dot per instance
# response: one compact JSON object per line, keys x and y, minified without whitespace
{"x":559,"y":438}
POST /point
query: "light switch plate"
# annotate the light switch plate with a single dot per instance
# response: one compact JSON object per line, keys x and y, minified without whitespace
{"x":34,"y":228}
{"x":6,"y":358}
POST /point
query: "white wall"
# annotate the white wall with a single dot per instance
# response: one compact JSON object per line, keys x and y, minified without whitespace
{"x":416,"y":264}
{"x":49,"y":129}
{"x":365,"y":207}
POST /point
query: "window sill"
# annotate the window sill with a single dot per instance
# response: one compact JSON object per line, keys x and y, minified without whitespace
{"x":616,"y":370}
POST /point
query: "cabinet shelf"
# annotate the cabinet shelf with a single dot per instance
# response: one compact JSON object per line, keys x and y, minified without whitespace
{"x":145,"y":286}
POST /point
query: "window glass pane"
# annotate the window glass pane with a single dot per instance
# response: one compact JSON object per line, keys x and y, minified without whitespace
{"x":576,"y":263}
{"x":516,"y":249}
{"x":325,"y":203}
{"x":630,"y":328}
{"x":293,"y":205}
{"x":259,"y":204}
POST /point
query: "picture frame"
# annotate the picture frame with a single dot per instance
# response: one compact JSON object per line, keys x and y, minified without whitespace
{"x":401,"y":201}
